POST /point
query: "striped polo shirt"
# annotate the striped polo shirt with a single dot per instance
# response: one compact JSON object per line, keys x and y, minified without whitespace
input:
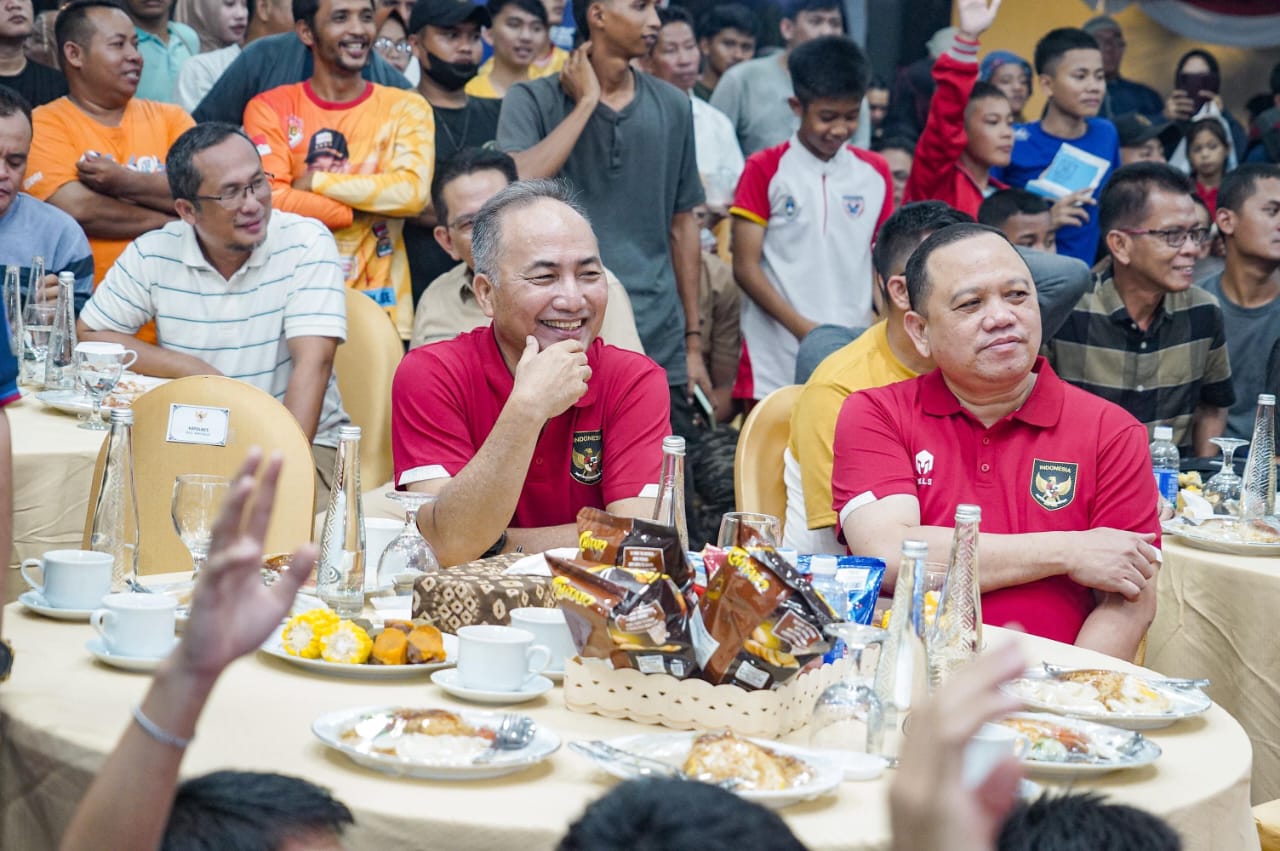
{"x":291,"y":286}
{"x":1159,"y":374}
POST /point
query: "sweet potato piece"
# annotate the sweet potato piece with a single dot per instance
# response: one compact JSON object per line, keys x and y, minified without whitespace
{"x":391,"y":647}
{"x":426,"y":644}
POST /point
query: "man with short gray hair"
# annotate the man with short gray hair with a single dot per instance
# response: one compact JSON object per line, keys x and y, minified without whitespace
{"x":517,"y":425}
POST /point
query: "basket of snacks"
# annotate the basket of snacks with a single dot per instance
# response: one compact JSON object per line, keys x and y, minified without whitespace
{"x":746,"y":656}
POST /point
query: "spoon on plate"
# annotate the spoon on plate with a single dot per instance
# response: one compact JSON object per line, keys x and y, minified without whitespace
{"x":514,"y":732}
{"x":1178,"y":683}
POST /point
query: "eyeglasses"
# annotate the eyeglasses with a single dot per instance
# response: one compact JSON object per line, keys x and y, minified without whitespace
{"x":385,"y":44}
{"x":1173,"y":237}
{"x":233,"y":199}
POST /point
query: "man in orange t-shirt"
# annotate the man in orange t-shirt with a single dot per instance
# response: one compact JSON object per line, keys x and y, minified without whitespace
{"x":353,"y":154}
{"x":99,"y":152}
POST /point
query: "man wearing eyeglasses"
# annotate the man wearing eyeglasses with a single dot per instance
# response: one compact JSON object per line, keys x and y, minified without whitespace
{"x":1144,"y":337}
{"x":235,"y":289}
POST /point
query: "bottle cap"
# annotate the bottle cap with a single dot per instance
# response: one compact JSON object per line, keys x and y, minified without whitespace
{"x":1163,"y":432}
{"x":122,"y":415}
{"x":915,"y":549}
{"x":349,"y":432}
{"x":1266,"y":399}
{"x":823,"y":565}
{"x":67,"y":278}
{"x":789,"y":555}
{"x":673,"y":444}
{"x":966,"y":513}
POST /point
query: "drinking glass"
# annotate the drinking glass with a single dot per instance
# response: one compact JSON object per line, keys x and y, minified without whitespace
{"x":12,"y":297}
{"x":37,"y":322}
{"x":738,"y":528}
{"x":98,"y":367}
{"x":197,"y":498}
{"x":409,"y":552}
{"x":1223,"y":489}
{"x":848,"y":715}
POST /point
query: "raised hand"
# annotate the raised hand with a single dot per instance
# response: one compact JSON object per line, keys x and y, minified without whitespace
{"x":232,"y":611}
{"x":578,"y":78}
{"x":975,"y":17}
{"x":548,"y":382}
{"x":1069,"y":210}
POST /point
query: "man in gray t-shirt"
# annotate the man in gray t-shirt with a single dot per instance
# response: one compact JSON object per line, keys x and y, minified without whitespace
{"x":1248,"y":290}
{"x":625,"y":141}
{"x":755,"y":94}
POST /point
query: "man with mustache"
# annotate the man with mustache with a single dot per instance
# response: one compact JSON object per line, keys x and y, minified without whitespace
{"x":377,"y":142}
{"x":235,"y":289}
{"x":1069,"y":521}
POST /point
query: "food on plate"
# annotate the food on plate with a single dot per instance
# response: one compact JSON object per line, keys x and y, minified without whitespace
{"x":406,"y":643}
{"x":1095,"y":691}
{"x":391,"y":647}
{"x":426,"y":644}
{"x":1051,"y":742}
{"x":717,"y":757}
{"x":1190,"y":480}
{"x":1263,"y":530}
{"x":348,"y":644}
{"x":419,"y":735}
{"x":303,"y":632}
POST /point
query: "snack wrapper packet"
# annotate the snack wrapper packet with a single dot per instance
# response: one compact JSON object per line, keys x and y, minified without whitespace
{"x":633,"y":618}
{"x":635,"y":544}
{"x":761,"y":621}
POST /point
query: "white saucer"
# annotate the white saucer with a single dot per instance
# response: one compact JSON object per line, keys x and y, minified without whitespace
{"x":555,"y":676}
{"x":448,"y":680}
{"x":144,"y":664}
{"x":36,"y":602}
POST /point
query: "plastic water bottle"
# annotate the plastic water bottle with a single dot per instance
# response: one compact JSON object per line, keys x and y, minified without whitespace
{"x":1164,"y":463}
{"x":823,"y":578}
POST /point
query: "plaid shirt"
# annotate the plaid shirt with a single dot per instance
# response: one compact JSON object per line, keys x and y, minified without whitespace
{"x":1159,"y":375}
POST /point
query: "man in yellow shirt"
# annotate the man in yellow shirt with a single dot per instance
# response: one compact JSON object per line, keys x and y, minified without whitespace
{"x":884,"y":354}
{"x":355,"y":155}
{"x":519,"y":35}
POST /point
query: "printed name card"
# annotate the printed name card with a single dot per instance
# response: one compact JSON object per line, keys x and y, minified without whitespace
{"x":198,"y":424}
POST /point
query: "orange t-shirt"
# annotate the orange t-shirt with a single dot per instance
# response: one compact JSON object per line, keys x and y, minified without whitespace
{"x":62,"y":133}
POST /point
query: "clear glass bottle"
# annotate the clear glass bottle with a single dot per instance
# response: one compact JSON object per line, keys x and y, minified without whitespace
{"x":902,"y":676}
{"x":670,"y":508}
{"x":115,"y":515}
{"x":1258,"y":494}
{"x":956,"y":636}
{"x":12,"y":296}
{"x":37,"y":323}
{"x":340,"y":576}
{"x":59,"y":370}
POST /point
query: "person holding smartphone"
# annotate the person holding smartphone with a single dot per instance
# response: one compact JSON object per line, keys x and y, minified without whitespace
{"x":1197,"y":81}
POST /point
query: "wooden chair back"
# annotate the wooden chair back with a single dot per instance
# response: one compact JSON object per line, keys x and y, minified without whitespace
{"x":757,"y":465}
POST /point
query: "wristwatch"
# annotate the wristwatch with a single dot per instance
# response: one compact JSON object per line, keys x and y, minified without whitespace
{"x":6,"y":659}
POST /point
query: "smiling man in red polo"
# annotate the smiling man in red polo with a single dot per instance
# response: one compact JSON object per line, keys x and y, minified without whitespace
{"x":1063,"y":477}
{"x":517,"y":425}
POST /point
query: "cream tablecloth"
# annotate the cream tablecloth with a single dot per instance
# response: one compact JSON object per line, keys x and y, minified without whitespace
{"x":52,"y":472}
{"x":62,"y":712}
{"x":1216,"y":618}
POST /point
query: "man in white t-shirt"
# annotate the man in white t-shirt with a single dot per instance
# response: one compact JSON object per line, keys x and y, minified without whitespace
{"x":675,"y":58}
{"x":234,"y":289}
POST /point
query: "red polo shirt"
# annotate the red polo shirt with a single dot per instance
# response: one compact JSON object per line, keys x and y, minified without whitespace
{"x":447,"y":396}
{"x":1065,"y":461}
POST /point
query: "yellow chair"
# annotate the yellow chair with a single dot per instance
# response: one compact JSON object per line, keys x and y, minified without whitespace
{"x":1267,"y":818}
{"x":757,"y":465}
{"x":365,"y":365}
{"x":256,"y":419}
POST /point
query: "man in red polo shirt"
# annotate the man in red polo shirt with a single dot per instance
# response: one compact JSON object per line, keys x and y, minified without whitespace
{"x":517,"y":425}
{"x":1069,"y":518}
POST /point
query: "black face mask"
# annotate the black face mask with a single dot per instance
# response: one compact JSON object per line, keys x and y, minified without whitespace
{"x":449,"y":75}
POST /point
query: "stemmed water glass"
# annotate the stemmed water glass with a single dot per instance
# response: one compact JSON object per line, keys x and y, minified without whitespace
{"x":848,"y":715}
{"x":98,"y":367}
{"x":409,"y":552}
{"x":197,"y":499}
{"x":1223,"y":489}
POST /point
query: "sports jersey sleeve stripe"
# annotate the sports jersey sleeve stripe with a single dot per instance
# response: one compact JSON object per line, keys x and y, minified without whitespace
{"x":752,"y":195}
{"x":748,"y":215}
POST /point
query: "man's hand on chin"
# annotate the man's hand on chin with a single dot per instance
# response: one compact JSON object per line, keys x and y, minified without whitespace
{"x":548,"y":382}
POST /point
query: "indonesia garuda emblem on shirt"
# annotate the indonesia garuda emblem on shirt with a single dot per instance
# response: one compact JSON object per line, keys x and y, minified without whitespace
{"x":1053,"y":483}
{"x":585,"y":460}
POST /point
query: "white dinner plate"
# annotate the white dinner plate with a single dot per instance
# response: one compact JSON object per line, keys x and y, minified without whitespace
{"x":36,"y":602}
{"x":673,"y":749}
{"x":138,"y":664}
{"x":536,"y":564}
{"x":1205,"y":539}
{"x":331,"y":727}
{"x":301,"y":603}
{"x":274,"y":646}
{"x":1106,"y":740}
{"x":1034,"y":691}
{"x":131,"y":387}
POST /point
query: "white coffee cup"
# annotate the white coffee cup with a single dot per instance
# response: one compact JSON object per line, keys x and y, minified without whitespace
{"x":136,"y":624}
{"x":549,"y":629}
{"x":379,"y":532}
{"x":499,"y":658}
{"x":991,"y":745}
{"x":72,"y":579}
{"x":102,"y":351}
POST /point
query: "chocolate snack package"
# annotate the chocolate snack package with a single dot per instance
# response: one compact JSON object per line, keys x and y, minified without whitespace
{"x":634,"y":618}
{"x":761,"y":621}
{"x":634,"y":544}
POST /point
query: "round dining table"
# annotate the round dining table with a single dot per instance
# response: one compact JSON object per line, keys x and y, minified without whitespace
{"x":1214,"y":617}
{"x":62,"y":712}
